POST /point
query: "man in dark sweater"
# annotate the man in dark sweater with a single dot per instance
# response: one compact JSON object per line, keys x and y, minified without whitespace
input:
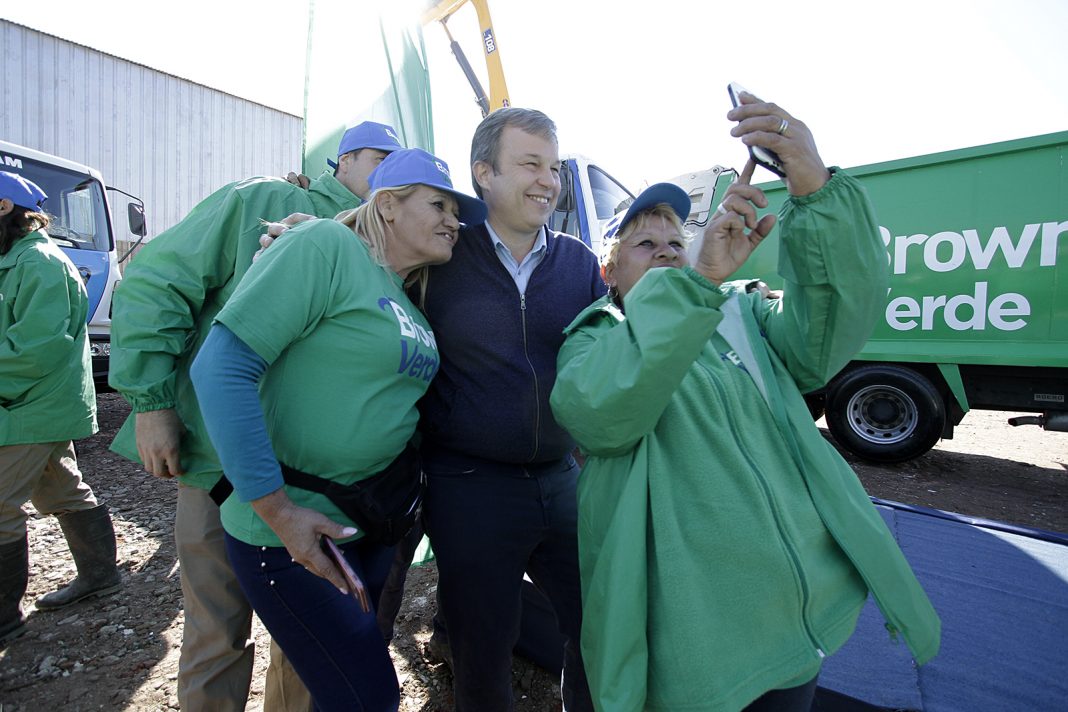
{"x":501,"y":479}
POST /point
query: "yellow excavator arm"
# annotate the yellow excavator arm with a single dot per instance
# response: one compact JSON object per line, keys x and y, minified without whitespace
{"x":441,"y":12}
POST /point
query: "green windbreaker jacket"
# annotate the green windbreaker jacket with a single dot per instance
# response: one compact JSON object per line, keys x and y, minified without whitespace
{"x":174,"y":287}
{"x":46,"y":376}
{"x":725,"y":547}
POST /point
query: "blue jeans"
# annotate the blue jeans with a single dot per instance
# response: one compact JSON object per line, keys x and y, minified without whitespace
{"x":333,"y":645}
{"x":489,"y":523}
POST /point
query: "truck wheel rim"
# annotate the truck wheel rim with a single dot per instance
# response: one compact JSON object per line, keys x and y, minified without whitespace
{"x":883,"y":415}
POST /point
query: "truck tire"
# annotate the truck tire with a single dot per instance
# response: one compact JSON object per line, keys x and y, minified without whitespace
{"x":885,"y":413}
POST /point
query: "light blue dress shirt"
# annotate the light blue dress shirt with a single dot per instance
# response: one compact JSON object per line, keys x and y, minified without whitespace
{"x":520,"y":271}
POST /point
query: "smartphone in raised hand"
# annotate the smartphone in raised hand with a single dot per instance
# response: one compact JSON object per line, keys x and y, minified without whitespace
{"x":761,"y":156}
{"x":352,"y":581}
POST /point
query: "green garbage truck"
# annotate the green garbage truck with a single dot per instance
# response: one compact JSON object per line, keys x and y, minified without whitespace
{"x":977,"y":311}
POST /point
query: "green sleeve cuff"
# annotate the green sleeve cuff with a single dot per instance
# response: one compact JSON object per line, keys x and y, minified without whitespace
{"x":146,"y":405}
{"x":705,"y":282}
{"x":837,"y":179}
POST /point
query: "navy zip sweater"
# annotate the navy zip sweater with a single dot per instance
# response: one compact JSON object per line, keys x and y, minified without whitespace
{"x":490,"y":398}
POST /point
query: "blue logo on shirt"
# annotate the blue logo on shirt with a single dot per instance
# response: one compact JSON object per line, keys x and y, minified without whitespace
{"x":413,"y":361}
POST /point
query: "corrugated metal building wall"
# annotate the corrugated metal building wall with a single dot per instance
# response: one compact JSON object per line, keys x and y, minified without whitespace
{"x":167,"y":140}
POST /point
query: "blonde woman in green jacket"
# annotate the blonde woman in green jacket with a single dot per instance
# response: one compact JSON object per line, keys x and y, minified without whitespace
{"x":47,"y":401}
{"x":725,"y":548}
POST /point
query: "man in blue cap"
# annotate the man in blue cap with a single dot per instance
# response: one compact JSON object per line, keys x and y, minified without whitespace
{"x":170,"y":294}
{"x":362,"y":148}
{"x":47,"y":401}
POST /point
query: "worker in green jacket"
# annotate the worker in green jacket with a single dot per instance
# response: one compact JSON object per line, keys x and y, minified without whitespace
{"x":162,"y":313}
{"x":725,"y":547}
{"x":47,"y":401}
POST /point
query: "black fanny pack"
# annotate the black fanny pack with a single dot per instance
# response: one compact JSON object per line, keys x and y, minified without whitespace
{"x":384,"y":506}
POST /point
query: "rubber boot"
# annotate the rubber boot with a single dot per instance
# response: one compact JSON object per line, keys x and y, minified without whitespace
{"x":14,"y":574}
{"x":91,"y":540}
{"x":437,"y":649}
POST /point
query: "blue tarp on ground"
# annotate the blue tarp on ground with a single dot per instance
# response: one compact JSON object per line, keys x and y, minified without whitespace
{"x":1003,"y":599}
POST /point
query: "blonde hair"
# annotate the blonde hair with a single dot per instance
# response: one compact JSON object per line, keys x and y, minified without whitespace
{"x":610,"y":252}
{"x":369,"y":225}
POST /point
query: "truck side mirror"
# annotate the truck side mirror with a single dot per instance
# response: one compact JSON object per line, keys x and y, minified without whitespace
{"x":566,"y":202}
{"x":136,"y":214}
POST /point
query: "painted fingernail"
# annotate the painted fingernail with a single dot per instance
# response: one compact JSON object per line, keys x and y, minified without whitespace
{"x":349,"y":531}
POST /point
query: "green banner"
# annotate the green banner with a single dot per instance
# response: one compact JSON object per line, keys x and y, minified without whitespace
{"x":365,"y":62}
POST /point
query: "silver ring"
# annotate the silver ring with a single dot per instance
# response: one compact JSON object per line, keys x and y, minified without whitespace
{"x":720,"y":210}
{"x":782,"y":127}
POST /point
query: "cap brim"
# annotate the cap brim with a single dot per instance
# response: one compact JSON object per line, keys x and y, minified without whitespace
{"x":472,"y":210}
{"x":388,"y":148}
{"x":656,"y":194}
{"x":649,"y":198}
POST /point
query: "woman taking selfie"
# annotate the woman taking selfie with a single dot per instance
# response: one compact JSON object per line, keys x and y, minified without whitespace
{"x":725,"y":548}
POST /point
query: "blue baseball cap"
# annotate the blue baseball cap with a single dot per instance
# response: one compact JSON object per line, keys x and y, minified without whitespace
{"x":414,"y":165}
{"x":21,"y":192}
{"x":652,"y":196}
{"x":367,"y":135}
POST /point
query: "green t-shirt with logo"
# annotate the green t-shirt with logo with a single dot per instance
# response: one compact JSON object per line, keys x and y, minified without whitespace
{"x":348,"y":358}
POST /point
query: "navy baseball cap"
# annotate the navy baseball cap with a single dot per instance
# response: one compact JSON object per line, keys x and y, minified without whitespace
{"x":414,"y":165}
{"x":367,"y":135}
{"x":21,"y":192}
{"x":652,"y":196}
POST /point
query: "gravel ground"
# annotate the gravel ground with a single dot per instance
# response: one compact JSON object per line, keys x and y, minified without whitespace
{"x":121,"y":653}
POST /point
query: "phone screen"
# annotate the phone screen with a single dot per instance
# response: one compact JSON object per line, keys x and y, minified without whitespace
{"x":761,"y":156}
{"x":355,"y":585}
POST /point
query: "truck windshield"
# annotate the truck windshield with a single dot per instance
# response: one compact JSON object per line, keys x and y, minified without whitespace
{"x":609,"y":196}
{"x":75,"y":204}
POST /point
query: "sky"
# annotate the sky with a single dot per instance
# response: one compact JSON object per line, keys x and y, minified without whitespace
{"x":641,"y":87}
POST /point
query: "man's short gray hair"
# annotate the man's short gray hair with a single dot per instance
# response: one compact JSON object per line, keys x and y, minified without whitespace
{"x":486,"y":143}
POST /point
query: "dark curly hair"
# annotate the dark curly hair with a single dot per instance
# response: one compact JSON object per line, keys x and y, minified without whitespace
{"x":17,"y":224}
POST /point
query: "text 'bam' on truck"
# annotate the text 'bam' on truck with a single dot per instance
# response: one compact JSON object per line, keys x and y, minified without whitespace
{"x":977,"y":310}
{"x":82,"y":227}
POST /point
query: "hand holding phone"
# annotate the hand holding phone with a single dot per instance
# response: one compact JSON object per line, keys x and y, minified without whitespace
{"x":761,"y":156}
{"x":355,"y":585}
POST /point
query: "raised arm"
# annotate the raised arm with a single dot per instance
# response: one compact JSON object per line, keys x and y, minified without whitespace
{"x":831,"y":255}
{"x":834,"y":266}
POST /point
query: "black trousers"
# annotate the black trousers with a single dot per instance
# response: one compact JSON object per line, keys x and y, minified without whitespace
{"x":489,"y":523}
{"x":792,"y":699}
